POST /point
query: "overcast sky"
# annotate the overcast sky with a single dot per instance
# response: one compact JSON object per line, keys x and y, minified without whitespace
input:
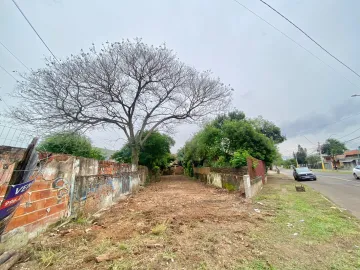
{"x":271,"y":75}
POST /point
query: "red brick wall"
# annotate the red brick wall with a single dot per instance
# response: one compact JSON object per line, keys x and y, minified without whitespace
{"x":110,"y":168}
{"x":256,"y":168}
{"x":47,"y":199}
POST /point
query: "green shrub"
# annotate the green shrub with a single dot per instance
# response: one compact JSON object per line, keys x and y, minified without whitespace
{"x":239,"y":158}
{"x":220,"y":162}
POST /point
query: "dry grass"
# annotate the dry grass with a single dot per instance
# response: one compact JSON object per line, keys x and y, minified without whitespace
{"x":159,"y":229}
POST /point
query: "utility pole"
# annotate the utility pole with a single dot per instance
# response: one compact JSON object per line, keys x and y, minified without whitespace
{"x":322,"y":161}
{"x":358,"y":155}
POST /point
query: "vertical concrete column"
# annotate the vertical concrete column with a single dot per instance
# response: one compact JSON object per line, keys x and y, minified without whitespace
{"x":247,"y":185}
{"x":75,"y":171}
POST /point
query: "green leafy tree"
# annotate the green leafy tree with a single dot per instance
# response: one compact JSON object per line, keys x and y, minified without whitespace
{"x":278,"y":160}
{"x":180,"y":156}
{"x":242,"y":135}
{"x":300,"y":155}
{"x":154,"y":152}
{"x":333,"y":147}
{"x":217,"y":143}
{"x":313,"y":159}
{"x":234,"y":115}
{"x":269,"y":129}
{"x":71,"y":143}
{"x":289,"y":163}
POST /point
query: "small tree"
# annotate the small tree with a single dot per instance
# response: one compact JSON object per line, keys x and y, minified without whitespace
{"x":313,"y":159}
{"x":333,"y":147}
{"x":70,"y":143}
{"x":154,"y":152}
{"x":290,"y":163}
{"x":129,"y":85}
{"x":300,"y":155}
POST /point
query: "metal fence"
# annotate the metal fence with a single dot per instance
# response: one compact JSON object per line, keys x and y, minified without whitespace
{"x":15,"y":137}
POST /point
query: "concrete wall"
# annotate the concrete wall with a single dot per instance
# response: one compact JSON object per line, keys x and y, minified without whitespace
{"x":92,"y":193}
{"x":64,"y":186}
{"x":228,"y":178}
{"x":247,"y":180}
{"x":252,"y":187}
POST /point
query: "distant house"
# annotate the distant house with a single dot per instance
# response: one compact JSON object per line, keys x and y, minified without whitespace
{"x":346,"y":161}
{"x":350,"y":159}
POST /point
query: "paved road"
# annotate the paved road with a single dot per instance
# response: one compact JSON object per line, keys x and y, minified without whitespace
{"x":342,"y":189}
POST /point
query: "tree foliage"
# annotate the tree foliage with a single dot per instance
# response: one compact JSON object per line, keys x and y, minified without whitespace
{"x":269,"y":129}
{"x":301,"y":155}
{"x":227,"y":141}
{"x":289,"y":163}
{"x":127,"y":85}
{"x":154,"y":152}
{"x":333,"y":147}
{"x":313,"y":159}
{"x":239,"y":159}
{"x":70,"y":143}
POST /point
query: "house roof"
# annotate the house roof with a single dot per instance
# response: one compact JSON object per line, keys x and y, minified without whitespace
{"x":351,"y":152}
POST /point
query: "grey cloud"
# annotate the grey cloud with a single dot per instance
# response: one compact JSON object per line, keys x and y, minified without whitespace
{"x":338,"y":118}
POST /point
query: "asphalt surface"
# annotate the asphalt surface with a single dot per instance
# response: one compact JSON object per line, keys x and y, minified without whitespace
{"x":342,"y":189}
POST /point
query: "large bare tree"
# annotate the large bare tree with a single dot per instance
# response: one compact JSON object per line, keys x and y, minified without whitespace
{"x":128,"y":84}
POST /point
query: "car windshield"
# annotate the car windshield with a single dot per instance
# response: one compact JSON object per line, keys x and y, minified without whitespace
{"x":303,"y":169}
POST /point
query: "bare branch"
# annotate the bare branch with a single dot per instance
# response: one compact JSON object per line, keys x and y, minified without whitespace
{"x":128,"y":85}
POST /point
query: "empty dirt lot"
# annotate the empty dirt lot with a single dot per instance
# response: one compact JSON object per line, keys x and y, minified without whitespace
{"x":179,"y":223}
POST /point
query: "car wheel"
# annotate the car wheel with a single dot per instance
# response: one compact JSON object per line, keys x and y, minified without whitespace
{"x":314,"y":179}
{"x":355,"y":175}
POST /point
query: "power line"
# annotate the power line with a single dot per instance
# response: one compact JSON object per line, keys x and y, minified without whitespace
{"x":277,"y":29}
{"x":35,"y":30}
{"x":349,"y":133}
{"x":329,"y":124}
{"x":302,"y":31}
{"x":308,"y":140}
{"x":14,"y":56}
{"x":8,"y":73}
{"x":5,"y":103}
{"x":352,"y":139}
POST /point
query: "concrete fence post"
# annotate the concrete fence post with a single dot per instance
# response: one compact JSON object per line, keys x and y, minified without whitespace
{"x":247,"y":185}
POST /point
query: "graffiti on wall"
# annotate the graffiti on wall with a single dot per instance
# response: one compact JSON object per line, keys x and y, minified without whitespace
{"x":114,"y":185}
{"x":61,"y":185}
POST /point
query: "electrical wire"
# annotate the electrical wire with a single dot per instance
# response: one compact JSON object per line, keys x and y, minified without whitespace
{"x":349,"y":134}
{"x":302,"y":31}
{"x":352,"y":139}
{"x":15,"y":56}
{"x":1,"y":99}
{"x":309,"y":140}
{"x":277,"y":29}
{"x":35,"y":30}
{"x":8,"y":73}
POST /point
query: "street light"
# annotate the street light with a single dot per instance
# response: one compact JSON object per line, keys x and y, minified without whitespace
{"x":355,"y":95}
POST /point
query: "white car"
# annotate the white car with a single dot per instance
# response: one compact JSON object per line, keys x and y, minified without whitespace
{"x":356,"y":172}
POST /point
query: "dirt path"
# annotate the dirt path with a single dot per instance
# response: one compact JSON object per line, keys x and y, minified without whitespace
{"x":173,"y":224}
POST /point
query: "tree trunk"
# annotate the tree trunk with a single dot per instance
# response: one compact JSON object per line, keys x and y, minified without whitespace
{"x":134,"y":157}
